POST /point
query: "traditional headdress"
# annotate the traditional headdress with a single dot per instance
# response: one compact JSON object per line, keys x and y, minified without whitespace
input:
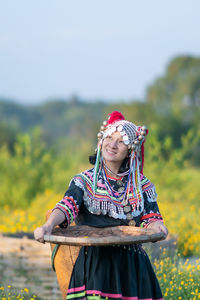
{"x":133,"y":137}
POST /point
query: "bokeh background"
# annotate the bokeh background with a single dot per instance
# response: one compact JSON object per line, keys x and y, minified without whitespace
{"x":63,"y":67}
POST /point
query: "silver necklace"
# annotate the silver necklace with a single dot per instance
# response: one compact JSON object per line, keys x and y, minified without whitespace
{"x":115,"y":174}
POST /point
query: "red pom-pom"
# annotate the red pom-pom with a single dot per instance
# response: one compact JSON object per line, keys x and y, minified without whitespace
{"x":115,"y":116}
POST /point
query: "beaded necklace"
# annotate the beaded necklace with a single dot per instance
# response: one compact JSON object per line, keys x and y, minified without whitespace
{"x":118,"y":174}
{"x":117,"y":195}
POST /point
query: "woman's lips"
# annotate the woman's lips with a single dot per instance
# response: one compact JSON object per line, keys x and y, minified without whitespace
{"x":110,"y":152}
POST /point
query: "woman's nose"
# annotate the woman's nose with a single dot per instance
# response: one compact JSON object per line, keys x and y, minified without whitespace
{"x":113,"y":144}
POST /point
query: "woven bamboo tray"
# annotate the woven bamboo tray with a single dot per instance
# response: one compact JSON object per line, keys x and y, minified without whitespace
{"x":92,"y":236}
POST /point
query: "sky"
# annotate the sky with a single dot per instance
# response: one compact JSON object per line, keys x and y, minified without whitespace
{"x":108,"y":49}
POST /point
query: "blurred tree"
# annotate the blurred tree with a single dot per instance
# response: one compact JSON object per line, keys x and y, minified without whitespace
{"x":26,"y":172}
{"x":7,"y":136}
{"x":178,"y":91}
{"x":189,"y":153}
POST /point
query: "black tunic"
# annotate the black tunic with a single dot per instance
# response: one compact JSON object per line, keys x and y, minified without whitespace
{"x":110,"y":272}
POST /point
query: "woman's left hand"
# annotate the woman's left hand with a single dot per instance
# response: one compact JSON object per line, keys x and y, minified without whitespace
{"x":158,"y":226}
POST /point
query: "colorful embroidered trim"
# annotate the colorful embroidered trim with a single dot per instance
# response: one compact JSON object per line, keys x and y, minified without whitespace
{"x":80,"y":292}
{"x":69,"y":207}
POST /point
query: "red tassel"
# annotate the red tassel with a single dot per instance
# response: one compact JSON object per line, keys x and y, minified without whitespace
{"x":115,"y":116}
{"x":142,"y":154}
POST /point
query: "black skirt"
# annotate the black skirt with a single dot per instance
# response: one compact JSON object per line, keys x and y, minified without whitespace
{"x":113,"y":272}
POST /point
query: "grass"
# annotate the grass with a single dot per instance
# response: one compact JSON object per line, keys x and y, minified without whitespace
{"x":8,"y":292}
{"x":178,"y":278}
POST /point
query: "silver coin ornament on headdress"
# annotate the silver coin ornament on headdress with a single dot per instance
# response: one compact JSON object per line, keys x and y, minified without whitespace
{"x":133,"y":136}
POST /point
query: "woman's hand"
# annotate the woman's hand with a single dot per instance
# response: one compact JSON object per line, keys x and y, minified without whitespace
{"x":55,"y":218}
{"x":39,"y":232}
{"x":158,"y":226}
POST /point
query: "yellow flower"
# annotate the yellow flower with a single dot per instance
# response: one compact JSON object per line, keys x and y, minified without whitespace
{"x":9,"y":286}
{"x":1,"y":288}
{"x":26,"y":290}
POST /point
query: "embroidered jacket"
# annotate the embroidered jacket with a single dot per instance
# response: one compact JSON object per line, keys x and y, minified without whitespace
{"x":104,"y":206}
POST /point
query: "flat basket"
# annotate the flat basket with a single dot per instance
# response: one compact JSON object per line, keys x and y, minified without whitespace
{"x":66,"y":244}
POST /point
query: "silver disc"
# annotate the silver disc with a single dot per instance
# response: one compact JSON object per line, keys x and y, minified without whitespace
{"x":127,"y":209}
{"x":120,"y":190}
{"x":119,"y":182}
{"x":129,"y":216}
{"x":131,"y":223}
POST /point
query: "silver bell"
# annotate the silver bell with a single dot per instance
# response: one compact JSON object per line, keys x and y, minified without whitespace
{"x":105,"y":123}
{"x":136,"y":142}
{"x":144,"y":128}
{"x":99,"y":135}
{"x":102,"y":128}
{"x":133,"y":147}
{"x":140,"y":137}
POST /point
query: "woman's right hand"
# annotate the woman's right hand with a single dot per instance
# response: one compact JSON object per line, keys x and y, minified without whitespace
{"x":55,"y":218}
{"x":39,"y":232}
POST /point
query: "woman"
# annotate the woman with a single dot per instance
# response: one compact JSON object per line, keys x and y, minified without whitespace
{"x":114,"y":192}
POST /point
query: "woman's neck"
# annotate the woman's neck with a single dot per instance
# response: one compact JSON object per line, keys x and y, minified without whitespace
{"x":112,"y":168}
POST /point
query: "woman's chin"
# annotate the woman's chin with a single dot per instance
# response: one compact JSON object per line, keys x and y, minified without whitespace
{"x":109,"y":156}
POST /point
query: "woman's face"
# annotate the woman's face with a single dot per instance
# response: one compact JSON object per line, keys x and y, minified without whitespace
{"x":113,"y":148}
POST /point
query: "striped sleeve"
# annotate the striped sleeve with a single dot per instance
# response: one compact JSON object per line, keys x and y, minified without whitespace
{"x":151,"y":211}
{"x":72,"y":200}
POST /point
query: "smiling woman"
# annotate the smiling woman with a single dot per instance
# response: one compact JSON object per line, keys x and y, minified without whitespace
{"x":114,"y":151}
{"x":109,"y":195}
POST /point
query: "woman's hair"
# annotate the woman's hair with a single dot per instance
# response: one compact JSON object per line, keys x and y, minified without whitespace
{"x":123,"y":168}
{"x":92,"y":158}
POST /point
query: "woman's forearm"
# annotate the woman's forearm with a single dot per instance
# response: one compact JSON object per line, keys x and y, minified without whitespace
{"x":55,"y":218}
